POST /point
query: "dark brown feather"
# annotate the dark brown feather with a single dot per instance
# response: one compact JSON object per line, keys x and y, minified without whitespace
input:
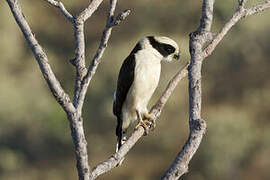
{"x":125,"y":80}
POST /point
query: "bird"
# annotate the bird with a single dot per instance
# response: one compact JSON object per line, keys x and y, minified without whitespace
{"x":137,"y":80}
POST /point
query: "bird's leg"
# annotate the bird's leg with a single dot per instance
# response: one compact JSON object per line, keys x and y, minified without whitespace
{"x":151,"y":118}
{"x":142,"y":123}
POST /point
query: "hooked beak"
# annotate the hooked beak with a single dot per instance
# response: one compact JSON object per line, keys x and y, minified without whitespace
{"x":177,"y":56}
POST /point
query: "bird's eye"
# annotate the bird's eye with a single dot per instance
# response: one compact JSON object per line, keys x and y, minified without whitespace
{"x":169,"y":49}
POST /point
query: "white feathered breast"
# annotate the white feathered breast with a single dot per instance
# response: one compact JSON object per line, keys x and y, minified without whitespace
{"x":146,"y":78}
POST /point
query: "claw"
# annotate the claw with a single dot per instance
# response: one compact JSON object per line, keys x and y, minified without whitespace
{"x":151,"y":119}
{"x":144,"y":123}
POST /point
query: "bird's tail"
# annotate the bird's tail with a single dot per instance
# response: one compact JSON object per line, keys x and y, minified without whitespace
{"x":121,"y":138}
{"x":120,"y":141}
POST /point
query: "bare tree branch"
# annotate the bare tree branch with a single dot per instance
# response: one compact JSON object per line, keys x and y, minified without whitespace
{"x":113,"y":160}
{"x":207,"y":15}
{"x":120,"y":17}
{"x":239,"y":13}
{"x":73,"y":113}
{"x":180,"y":164}
{"x":196,"y":124}
{"x":87,"y":12}
{"x":197,"y":41}
{"x":41,"y":57}
{"x":258,"y":8}
{"x":242,"y":3}
{"x":102,"y":46}
{"x":79,"y":60}
{"x":63,"y":99}
{"x":62,"y":8}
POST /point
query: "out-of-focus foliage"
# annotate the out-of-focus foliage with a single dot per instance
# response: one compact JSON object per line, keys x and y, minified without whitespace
{"x":35,"y":141}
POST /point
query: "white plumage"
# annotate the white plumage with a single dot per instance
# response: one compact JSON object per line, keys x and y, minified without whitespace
{"x":138,"y":79}
{"x":147,"y":70}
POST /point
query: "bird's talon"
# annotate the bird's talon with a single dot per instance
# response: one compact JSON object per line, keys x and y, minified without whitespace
{"x":145,"y":124}
{"x":151,"y":120}
{"x":149,"y":117}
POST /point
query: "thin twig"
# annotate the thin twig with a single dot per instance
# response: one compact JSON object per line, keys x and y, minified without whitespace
{"x":120,"y":17}
{"x":89,"y":10}
{"x":79,"y":60}
{"x":258,"y":8}
{"x":62,"y":8}
{"x":97,"y":58}
{"x":239,"y":13}
{"x":41,"y":57}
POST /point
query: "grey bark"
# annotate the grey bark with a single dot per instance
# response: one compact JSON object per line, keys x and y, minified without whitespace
{"x":71,"y":109}
{"x":202,"y":37}
{"x":202,"y":44}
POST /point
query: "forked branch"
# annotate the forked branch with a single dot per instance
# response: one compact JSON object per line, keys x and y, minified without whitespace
{"x":84,"y":76}
{"x":100,"y":51}
{"x":62,"y":8}
{"x":241,"y":12}
{"x":197,"y":42}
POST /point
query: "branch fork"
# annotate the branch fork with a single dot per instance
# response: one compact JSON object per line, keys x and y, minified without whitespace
{"x":202,"y":44}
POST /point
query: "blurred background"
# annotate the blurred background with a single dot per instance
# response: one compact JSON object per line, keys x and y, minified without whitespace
{"x":35,"y":141}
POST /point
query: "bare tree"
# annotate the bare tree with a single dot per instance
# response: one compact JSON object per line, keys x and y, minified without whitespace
{"x":202,"y":43}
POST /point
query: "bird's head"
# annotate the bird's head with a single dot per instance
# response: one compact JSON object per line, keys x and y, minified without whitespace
{"x":165,"y":47}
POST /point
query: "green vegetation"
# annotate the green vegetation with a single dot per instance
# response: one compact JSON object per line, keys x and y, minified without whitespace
{"x":35,"y":141}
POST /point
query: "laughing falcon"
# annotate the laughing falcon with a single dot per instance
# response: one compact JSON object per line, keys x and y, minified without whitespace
{"x":137,"y":81}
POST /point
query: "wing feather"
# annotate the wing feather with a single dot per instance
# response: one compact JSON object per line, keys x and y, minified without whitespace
{"x":125,"y":80}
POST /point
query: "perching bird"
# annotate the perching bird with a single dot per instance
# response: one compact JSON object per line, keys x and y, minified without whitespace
{"x":137,"y":81}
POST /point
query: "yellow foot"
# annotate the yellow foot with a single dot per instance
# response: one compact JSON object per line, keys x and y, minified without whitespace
{"x":151,"y":120}
{"x":145,"y":124}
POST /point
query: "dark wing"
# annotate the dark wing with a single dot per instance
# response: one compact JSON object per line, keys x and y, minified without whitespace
{"x":125,"y":80}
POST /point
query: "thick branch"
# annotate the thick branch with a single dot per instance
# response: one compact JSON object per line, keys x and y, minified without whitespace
{"x":180,"y":164}
{"x":239,"y":13}
{"x":138,"y":133}
{"x":62,"y":8}
{"x":41,"y":57}
{"x":207,"y":15}
{"x":79,"y":60}
{"x":198,"y":125}
{"x":118,"y":156}
{"x":75,"y":120}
